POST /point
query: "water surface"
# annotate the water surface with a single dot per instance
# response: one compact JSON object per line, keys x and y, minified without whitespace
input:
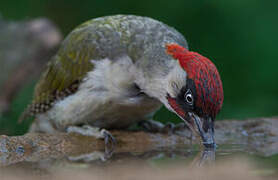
{"x":179,"y":161}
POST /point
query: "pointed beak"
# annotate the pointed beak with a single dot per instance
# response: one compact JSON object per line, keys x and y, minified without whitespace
{"x":203,"y":128}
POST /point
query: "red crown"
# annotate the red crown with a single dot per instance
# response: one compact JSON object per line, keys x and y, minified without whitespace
{"x":205,"y":76}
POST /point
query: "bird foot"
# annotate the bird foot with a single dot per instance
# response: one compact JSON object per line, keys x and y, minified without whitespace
{"x":169,"y":128}
{"x":99,"y":133}
{"x":109,"y":142}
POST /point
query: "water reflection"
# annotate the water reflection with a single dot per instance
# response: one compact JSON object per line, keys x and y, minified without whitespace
{"x":204,"y":157}
{"x":177,"y":161}
{"x":189,"y":155}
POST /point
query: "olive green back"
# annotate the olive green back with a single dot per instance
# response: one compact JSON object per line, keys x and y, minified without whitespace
{"x":63,"y":73}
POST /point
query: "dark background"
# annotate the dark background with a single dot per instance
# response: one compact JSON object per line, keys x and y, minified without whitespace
{"x":239,"y":36}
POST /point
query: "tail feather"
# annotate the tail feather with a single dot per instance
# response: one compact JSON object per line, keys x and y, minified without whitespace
{"x":26,"y":114}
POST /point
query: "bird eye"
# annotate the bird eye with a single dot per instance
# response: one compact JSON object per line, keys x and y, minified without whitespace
{"x":189,"y":97}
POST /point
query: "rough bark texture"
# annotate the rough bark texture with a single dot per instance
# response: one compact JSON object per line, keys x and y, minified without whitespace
{"x":256,"y":135}
{"x":25,"y":47}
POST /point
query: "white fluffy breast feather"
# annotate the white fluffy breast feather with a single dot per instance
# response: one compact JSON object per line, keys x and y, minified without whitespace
{"x":176,"y":79}
{"x":110,"y":80}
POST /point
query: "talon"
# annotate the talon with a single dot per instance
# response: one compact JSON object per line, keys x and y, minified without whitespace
{"x":87,"y":130}
{"x":180,"y":127}
{"x":151,"y":126}
{"x":168,"y":128}
{"x":109,"y":142}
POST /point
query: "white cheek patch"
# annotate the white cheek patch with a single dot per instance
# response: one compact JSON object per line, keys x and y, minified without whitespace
{"x":176,"y":80}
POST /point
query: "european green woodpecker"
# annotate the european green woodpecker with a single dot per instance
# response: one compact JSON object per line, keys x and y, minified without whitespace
{"x":114,"y":71}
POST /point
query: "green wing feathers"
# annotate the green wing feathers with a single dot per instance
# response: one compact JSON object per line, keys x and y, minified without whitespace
{"x":63,"y":74}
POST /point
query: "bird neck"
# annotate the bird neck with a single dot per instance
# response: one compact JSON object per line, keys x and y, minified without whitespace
{"x":158,"y":81}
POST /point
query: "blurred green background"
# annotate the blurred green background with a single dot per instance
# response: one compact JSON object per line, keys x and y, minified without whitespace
{"x":239,"y":36}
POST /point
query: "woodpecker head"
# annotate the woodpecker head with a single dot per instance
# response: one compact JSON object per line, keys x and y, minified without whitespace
{"x":199,"y":99}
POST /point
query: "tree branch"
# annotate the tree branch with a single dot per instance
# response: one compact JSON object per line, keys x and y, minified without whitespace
{"x":258,"y":135}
